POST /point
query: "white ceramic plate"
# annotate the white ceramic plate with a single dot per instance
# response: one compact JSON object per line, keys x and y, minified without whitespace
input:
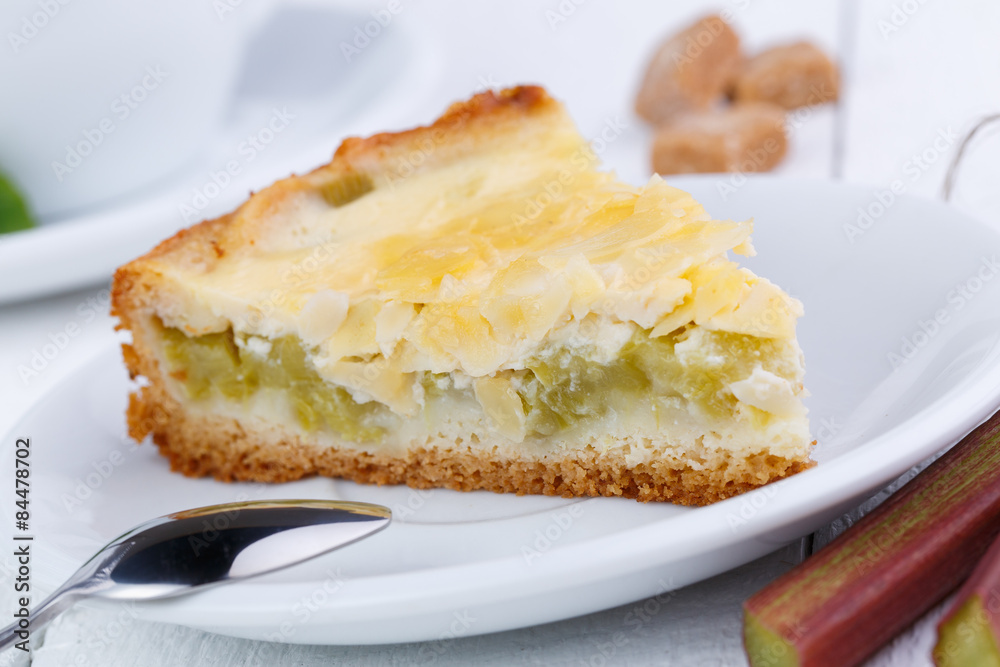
{"x":918,"y":283}
{"x":298,"y":96}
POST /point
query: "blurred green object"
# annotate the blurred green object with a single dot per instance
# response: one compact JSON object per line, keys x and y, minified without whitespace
{"x":14,"y":214}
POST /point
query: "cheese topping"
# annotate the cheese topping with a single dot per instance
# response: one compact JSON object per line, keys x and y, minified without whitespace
{"x":479,"y":264}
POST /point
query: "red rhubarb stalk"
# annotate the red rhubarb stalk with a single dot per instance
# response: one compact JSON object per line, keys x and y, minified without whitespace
{"x":842,"y":604}
{"x":969,"y":632}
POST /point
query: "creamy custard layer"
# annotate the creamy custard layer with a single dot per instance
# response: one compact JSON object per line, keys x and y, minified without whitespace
{"x":692,"y":372}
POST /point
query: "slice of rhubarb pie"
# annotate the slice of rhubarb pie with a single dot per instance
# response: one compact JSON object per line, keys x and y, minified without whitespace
{"x":470,"y":305}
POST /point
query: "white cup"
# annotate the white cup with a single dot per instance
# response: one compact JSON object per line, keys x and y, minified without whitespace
{"x":103,"y":97}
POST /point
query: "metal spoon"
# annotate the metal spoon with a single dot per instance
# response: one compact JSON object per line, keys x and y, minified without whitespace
{"x":192,"y":550}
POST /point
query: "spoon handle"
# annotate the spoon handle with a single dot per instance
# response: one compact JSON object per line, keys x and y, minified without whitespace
{"x":64,"y":598}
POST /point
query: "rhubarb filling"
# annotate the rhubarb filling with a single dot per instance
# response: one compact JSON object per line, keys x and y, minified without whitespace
{"x":691,"y":371}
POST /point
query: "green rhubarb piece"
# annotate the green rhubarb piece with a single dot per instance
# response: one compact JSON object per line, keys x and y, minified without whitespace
{"x":14,"y":215}
{"x":842,"y":604}
{"x":969,"y":632}
{"x":965,"y":637}
{"x":565,"y":388}
{"x":215,"y":366}
{"x":346,"y":189}
{"x":767,"y":648}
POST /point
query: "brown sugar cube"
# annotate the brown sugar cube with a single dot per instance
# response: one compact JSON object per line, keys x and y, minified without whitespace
{"x":791,"y":76}
{"x":690,"y":71}
{"x":744,"y":138}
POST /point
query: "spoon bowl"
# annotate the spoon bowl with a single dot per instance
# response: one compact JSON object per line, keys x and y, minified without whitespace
{"x":195,"y":549}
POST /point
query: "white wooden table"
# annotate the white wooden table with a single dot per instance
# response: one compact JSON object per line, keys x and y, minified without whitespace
{"x":914,"y":71}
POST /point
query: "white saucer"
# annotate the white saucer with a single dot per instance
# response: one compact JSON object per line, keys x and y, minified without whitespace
{"x":889,"y":388}
{"x":305,"y":87}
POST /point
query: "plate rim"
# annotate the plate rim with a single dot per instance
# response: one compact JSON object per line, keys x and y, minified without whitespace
{"x":941,"y":424}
